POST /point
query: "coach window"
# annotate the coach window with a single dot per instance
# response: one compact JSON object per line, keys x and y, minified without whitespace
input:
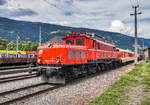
{"x":105,"y":47}
{"x":80,"y":41}
{"x":101,"y":53}
{"x":101,"y":46}
{"x":77,"y":54}
{"x":70,"y":42}
{"x":108,"y":48}
{"x":93,"y":44}
{"x":70,"y":54}
{"x":83,"y":55}
{"x":98,"y":47}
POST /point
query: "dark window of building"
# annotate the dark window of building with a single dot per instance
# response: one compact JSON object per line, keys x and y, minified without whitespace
{"x":93,"y":44}
{"x":80,"y":41}
{"x":83,"y":54}
{"x":98,"y":47}
{"x":70,"y":41}
{"x":77,"y":54}
{"x":70,"y":54}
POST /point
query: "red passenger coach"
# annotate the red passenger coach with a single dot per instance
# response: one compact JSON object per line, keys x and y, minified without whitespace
{"x":82,"y":53}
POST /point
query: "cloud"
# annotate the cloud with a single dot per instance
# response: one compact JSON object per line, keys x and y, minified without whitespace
{"x":95,"y":14}
{"x":119,"y":26}
{"x":23,"y":12}
{"x":2,"y":2}
{"x":12,"y":13}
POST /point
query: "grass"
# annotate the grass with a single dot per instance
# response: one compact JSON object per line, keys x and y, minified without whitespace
{"x":116,"y":94}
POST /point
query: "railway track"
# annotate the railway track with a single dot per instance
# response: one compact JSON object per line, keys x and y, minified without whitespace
{"x":18,"y":77}
{"x":14,"y":71}
{"x":12,"y":96}
{"x":14,"y":67}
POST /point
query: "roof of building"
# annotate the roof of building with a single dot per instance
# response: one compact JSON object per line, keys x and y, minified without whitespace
{"x":148,"y":48}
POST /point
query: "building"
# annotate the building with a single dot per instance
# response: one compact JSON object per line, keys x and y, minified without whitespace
{"x":147,"y":54}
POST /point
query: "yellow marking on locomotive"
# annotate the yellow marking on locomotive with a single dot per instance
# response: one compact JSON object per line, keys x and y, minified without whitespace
{"x":127,"y":59}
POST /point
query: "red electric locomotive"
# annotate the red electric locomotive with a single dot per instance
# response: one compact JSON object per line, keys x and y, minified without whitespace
{"x":82,"y":53}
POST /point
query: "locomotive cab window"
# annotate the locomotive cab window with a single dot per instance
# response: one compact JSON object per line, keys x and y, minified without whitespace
{"x":70,"y":42}
{"x":80,"y":41}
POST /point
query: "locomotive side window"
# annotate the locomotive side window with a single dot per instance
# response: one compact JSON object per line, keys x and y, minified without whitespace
{"x":80,"y":41}
{"x":77,"y":54}
{"x":70,"y":41}
{"x":70,"y":54}
{"x":83,"y":54}
{"x":93,"y":44}
{"x":98,"y":47}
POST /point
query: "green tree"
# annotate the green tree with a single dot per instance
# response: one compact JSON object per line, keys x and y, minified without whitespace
{"x":22,"y":45}
{"x":3,"y":44}
{"x":11,"y":46}
{"x":34,"y":46}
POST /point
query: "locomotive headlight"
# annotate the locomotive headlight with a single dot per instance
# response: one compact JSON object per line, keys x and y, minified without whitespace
{"x":39,"y":60}
{"x":57,"y":60}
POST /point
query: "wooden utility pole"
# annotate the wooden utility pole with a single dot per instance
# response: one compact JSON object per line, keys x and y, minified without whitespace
{"x":136,"y":40}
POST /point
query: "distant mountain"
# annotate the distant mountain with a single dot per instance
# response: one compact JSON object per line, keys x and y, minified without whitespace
{"x":30,"y":30}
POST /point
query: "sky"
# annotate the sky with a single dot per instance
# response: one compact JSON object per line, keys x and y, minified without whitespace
{"x":108,"y":15}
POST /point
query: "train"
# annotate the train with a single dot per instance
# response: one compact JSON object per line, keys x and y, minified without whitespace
{"x":17,"y":57}
{"x":81,"y":54}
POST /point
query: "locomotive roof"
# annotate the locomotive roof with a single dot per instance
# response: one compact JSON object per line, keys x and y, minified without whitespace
{"x":91,"y":36}
{"x":129,"y":51}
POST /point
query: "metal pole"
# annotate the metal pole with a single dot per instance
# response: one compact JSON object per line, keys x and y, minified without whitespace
{"x":40,"y":36}
{"x":17,"y":39}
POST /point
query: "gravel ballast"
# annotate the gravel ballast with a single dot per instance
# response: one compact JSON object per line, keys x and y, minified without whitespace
{"x":78,"y":93}
{"x":19,"y":83}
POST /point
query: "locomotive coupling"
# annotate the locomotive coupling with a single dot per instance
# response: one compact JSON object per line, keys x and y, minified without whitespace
{"x":39,"y":71}
{"x":30,"y":70}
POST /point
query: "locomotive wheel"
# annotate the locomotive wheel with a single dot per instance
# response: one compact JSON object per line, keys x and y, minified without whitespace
{"x":98,"y":68}
{"x":84,"y":70}
{"x":102,"y":67}
{"x":111,"y":66}
{"x":93,"y":69}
